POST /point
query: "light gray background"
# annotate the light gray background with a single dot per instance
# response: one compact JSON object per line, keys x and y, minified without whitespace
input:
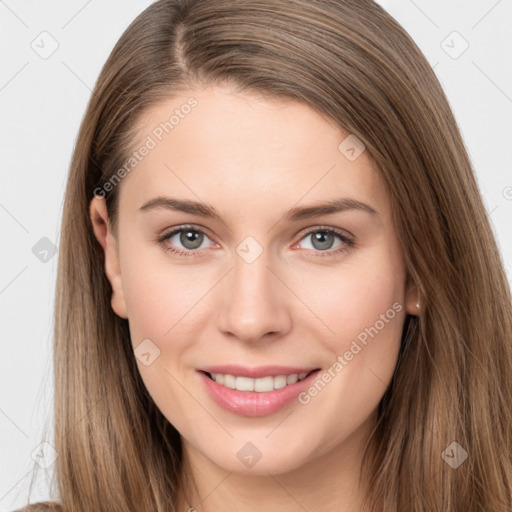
{"x":42,"y":101}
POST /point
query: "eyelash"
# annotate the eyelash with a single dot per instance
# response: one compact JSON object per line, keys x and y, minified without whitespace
{"x":348,"y":242}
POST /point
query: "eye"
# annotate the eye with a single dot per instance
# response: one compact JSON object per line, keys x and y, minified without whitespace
{"x":192,"y":238}
{"x":323,"y":238}
{"x":188,"y":237}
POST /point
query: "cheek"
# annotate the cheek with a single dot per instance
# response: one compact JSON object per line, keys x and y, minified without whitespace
{"x":162,"y":304}
{"x":362,"y":313}
{"x":365,"y":321}
{"x":357,"y":295}
{"x":165,"y":301}
{"x":155,"y":306}
{"x":151,"y":301}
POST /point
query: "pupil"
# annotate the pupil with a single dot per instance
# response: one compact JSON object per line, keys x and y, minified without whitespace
{"x":191,"y":237}
{"x":321,"y":236}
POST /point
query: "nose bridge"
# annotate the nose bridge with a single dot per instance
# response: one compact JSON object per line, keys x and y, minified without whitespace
{"x":254,"y":302}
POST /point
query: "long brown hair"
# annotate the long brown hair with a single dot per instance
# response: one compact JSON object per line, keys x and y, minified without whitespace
{"x":352,"y":62}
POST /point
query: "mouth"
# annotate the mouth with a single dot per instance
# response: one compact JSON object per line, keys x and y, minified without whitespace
{"x":271,"y":389}
{"x":263,"y":384}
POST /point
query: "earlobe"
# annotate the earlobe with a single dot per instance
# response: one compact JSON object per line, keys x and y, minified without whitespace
{"x":413,"y":304}
{"x":102,"y":232}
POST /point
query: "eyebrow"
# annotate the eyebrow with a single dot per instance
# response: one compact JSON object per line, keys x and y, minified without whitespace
{"x":294,"y":214}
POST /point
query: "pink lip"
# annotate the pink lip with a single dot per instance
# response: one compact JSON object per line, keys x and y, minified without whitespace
{"x":255,"y":373}
{"x":252,"y":403}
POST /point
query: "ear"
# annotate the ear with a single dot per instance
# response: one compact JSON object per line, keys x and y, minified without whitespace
{"x":413,"y":304}
{"x":103,"y":233}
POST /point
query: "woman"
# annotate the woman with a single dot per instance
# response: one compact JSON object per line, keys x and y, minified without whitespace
{"x":278,"y":287}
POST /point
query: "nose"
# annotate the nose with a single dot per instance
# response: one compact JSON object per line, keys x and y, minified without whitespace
{"x":255,"y":304}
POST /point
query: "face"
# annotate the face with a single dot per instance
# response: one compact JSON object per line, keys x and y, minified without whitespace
{"x":251,"y":280}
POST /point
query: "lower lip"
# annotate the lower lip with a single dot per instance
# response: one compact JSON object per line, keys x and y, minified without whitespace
{"x":253,"y":403}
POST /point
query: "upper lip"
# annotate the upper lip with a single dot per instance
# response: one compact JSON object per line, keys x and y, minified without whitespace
{"x":256,"y":372}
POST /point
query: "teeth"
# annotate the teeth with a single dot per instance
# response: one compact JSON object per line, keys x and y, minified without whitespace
{"x":263,"y":384}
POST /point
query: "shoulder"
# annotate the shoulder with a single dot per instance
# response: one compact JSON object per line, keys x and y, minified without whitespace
{"x":46,"y":506}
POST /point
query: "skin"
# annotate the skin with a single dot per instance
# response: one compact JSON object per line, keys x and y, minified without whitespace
{"x":253,"y":159}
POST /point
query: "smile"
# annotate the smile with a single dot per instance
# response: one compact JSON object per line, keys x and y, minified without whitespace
{"x":261,"y":385}
{"x":260,"y":391}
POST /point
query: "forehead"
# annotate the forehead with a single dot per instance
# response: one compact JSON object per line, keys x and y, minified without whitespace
{"x":241,"y":147}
